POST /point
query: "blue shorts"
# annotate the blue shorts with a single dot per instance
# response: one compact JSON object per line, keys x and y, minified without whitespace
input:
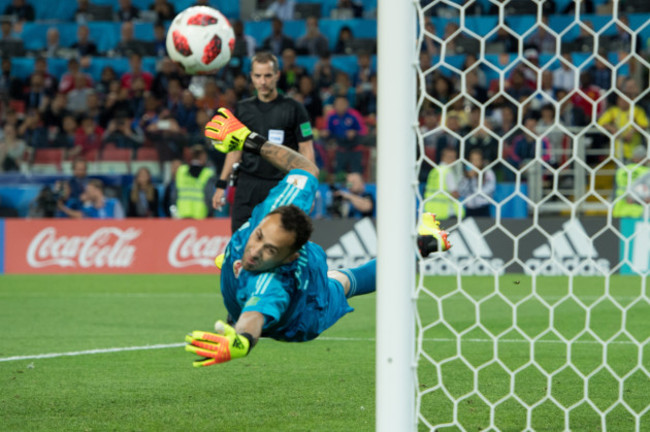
{"x":320,"y":312}
{"x":337,"y":306}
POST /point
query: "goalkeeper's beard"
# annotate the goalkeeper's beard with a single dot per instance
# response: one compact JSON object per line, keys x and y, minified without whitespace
{"x":249,"y":263}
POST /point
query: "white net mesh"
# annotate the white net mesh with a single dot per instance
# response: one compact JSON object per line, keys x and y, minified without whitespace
{"x":538,"y":318}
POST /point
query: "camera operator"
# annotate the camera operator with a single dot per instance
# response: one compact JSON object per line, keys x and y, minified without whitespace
{"x":356,"y":201}
{"x":63,"y":196}
{"x":96,"y":205}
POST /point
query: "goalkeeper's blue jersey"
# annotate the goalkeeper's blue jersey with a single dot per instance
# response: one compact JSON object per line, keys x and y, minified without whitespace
{"x":297,"y":299}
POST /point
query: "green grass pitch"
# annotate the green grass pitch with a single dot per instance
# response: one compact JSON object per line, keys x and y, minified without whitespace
{"x":323,"y":385}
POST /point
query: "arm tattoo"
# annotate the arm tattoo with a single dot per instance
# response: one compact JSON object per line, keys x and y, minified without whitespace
{"x":286,"y":159}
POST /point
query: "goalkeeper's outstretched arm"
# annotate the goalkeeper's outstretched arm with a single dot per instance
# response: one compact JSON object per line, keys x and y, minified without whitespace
{"x":227,"y":342}
{"x":229,"y":134}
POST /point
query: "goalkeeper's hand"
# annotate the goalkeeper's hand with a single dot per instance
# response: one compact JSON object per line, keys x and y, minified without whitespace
{"x":431,"y":238}
{"x":226,"y":131}
{"x":218,"y":347}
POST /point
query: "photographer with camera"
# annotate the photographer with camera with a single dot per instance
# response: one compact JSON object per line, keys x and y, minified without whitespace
{"x":51,"y":200}
{"x":356,"y":201}
{"x":96,"y":205}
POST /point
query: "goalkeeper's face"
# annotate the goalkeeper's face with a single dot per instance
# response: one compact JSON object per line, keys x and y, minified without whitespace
{"x":269,"y":246}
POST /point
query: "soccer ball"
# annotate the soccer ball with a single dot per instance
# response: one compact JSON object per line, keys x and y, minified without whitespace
{"x":201,"y":39}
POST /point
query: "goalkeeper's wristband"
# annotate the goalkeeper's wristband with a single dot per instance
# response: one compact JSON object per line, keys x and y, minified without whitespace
{"x":221,"y":184}
{"x":254,"y":143}
{"x":251,"y":341}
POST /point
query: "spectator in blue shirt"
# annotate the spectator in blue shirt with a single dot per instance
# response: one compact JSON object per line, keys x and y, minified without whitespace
{"x":96,"y":204}
{"x":343,"y":128}
{"x":601,"y":74}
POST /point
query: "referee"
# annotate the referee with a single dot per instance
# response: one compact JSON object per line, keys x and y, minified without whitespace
{"x":281,"y":120}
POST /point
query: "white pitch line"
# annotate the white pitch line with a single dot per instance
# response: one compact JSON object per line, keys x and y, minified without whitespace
{"x":326,"y":338}
{"x":88,"y":352}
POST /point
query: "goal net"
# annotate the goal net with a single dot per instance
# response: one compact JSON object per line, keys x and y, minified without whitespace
{"x":538,"y":318}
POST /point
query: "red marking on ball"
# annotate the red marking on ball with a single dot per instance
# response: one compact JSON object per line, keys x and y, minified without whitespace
{"x":181,"y":44}
{"x":201,"y":20}
{"x":211,"y":50}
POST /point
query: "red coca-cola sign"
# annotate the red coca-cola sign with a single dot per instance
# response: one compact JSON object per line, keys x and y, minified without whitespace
{"x":125,"y":246}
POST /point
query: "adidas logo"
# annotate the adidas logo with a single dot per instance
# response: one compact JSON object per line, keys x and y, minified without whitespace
{"x":569,"y":251}
{"x":354,"y":247}
{"x":470,"y":254}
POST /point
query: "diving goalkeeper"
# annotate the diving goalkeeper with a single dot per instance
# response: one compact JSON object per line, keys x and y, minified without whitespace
{"x":274,"y":281}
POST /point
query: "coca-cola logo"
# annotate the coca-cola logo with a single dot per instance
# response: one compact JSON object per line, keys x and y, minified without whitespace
{"x":106,"y":247}
{"x":188,"y":249}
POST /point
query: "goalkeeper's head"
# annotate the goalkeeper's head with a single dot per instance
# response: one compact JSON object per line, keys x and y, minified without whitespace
{"x":277,"y":240}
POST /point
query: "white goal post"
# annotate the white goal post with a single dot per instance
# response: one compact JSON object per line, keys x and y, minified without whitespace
{"x":395,"y":361}
{"x":538,"y":318}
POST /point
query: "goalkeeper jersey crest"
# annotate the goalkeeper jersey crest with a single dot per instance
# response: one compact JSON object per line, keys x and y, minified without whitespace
{"x":290,"y":295}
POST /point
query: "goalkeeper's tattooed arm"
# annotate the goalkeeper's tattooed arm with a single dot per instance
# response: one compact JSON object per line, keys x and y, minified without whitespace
{"x":228,"y":134}
{"x":286,"y":159}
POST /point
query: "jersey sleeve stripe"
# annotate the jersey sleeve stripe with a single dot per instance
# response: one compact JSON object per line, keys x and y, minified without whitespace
{"x":291,"y":197}
{"x":280,"y":198}
{"x":259,"y":283}
{"x":287,"y":196}
{"x":263,"y":283}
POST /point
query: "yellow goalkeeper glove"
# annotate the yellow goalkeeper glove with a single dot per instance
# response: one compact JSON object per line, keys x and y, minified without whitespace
{"x":229,"y":134}
{"x":218,"y":261}
{"x":431,"y":238}
{"x":219,"y":347}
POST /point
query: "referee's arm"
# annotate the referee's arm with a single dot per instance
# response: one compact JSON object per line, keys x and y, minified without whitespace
{"x":306,"y":148}
{"x":231,"y":159}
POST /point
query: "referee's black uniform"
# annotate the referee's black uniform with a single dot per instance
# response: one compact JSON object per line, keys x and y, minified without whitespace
{"x":282,"y":121}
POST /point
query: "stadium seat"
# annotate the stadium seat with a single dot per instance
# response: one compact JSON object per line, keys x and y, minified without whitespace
{"x":48,"y":156}
{"x":91,"y":155}
{"x":364,"y":45}
{"x":633,"y":6}
{"x":305,"y":10}
{"x":100,"y":12}
{"x":47,"y":161}
{"x":520,"y":7}
{"x":112,"y":153}
{"x":147,"y":154}
{"x":12,"y":48}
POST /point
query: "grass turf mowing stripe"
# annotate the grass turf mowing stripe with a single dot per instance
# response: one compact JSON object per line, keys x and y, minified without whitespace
{"x":325,"y":339}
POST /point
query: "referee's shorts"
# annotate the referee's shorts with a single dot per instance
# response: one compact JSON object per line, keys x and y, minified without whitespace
{"x":250,"y":192}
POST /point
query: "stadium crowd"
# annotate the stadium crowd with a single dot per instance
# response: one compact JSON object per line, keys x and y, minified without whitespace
{"x":128,"y":102}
